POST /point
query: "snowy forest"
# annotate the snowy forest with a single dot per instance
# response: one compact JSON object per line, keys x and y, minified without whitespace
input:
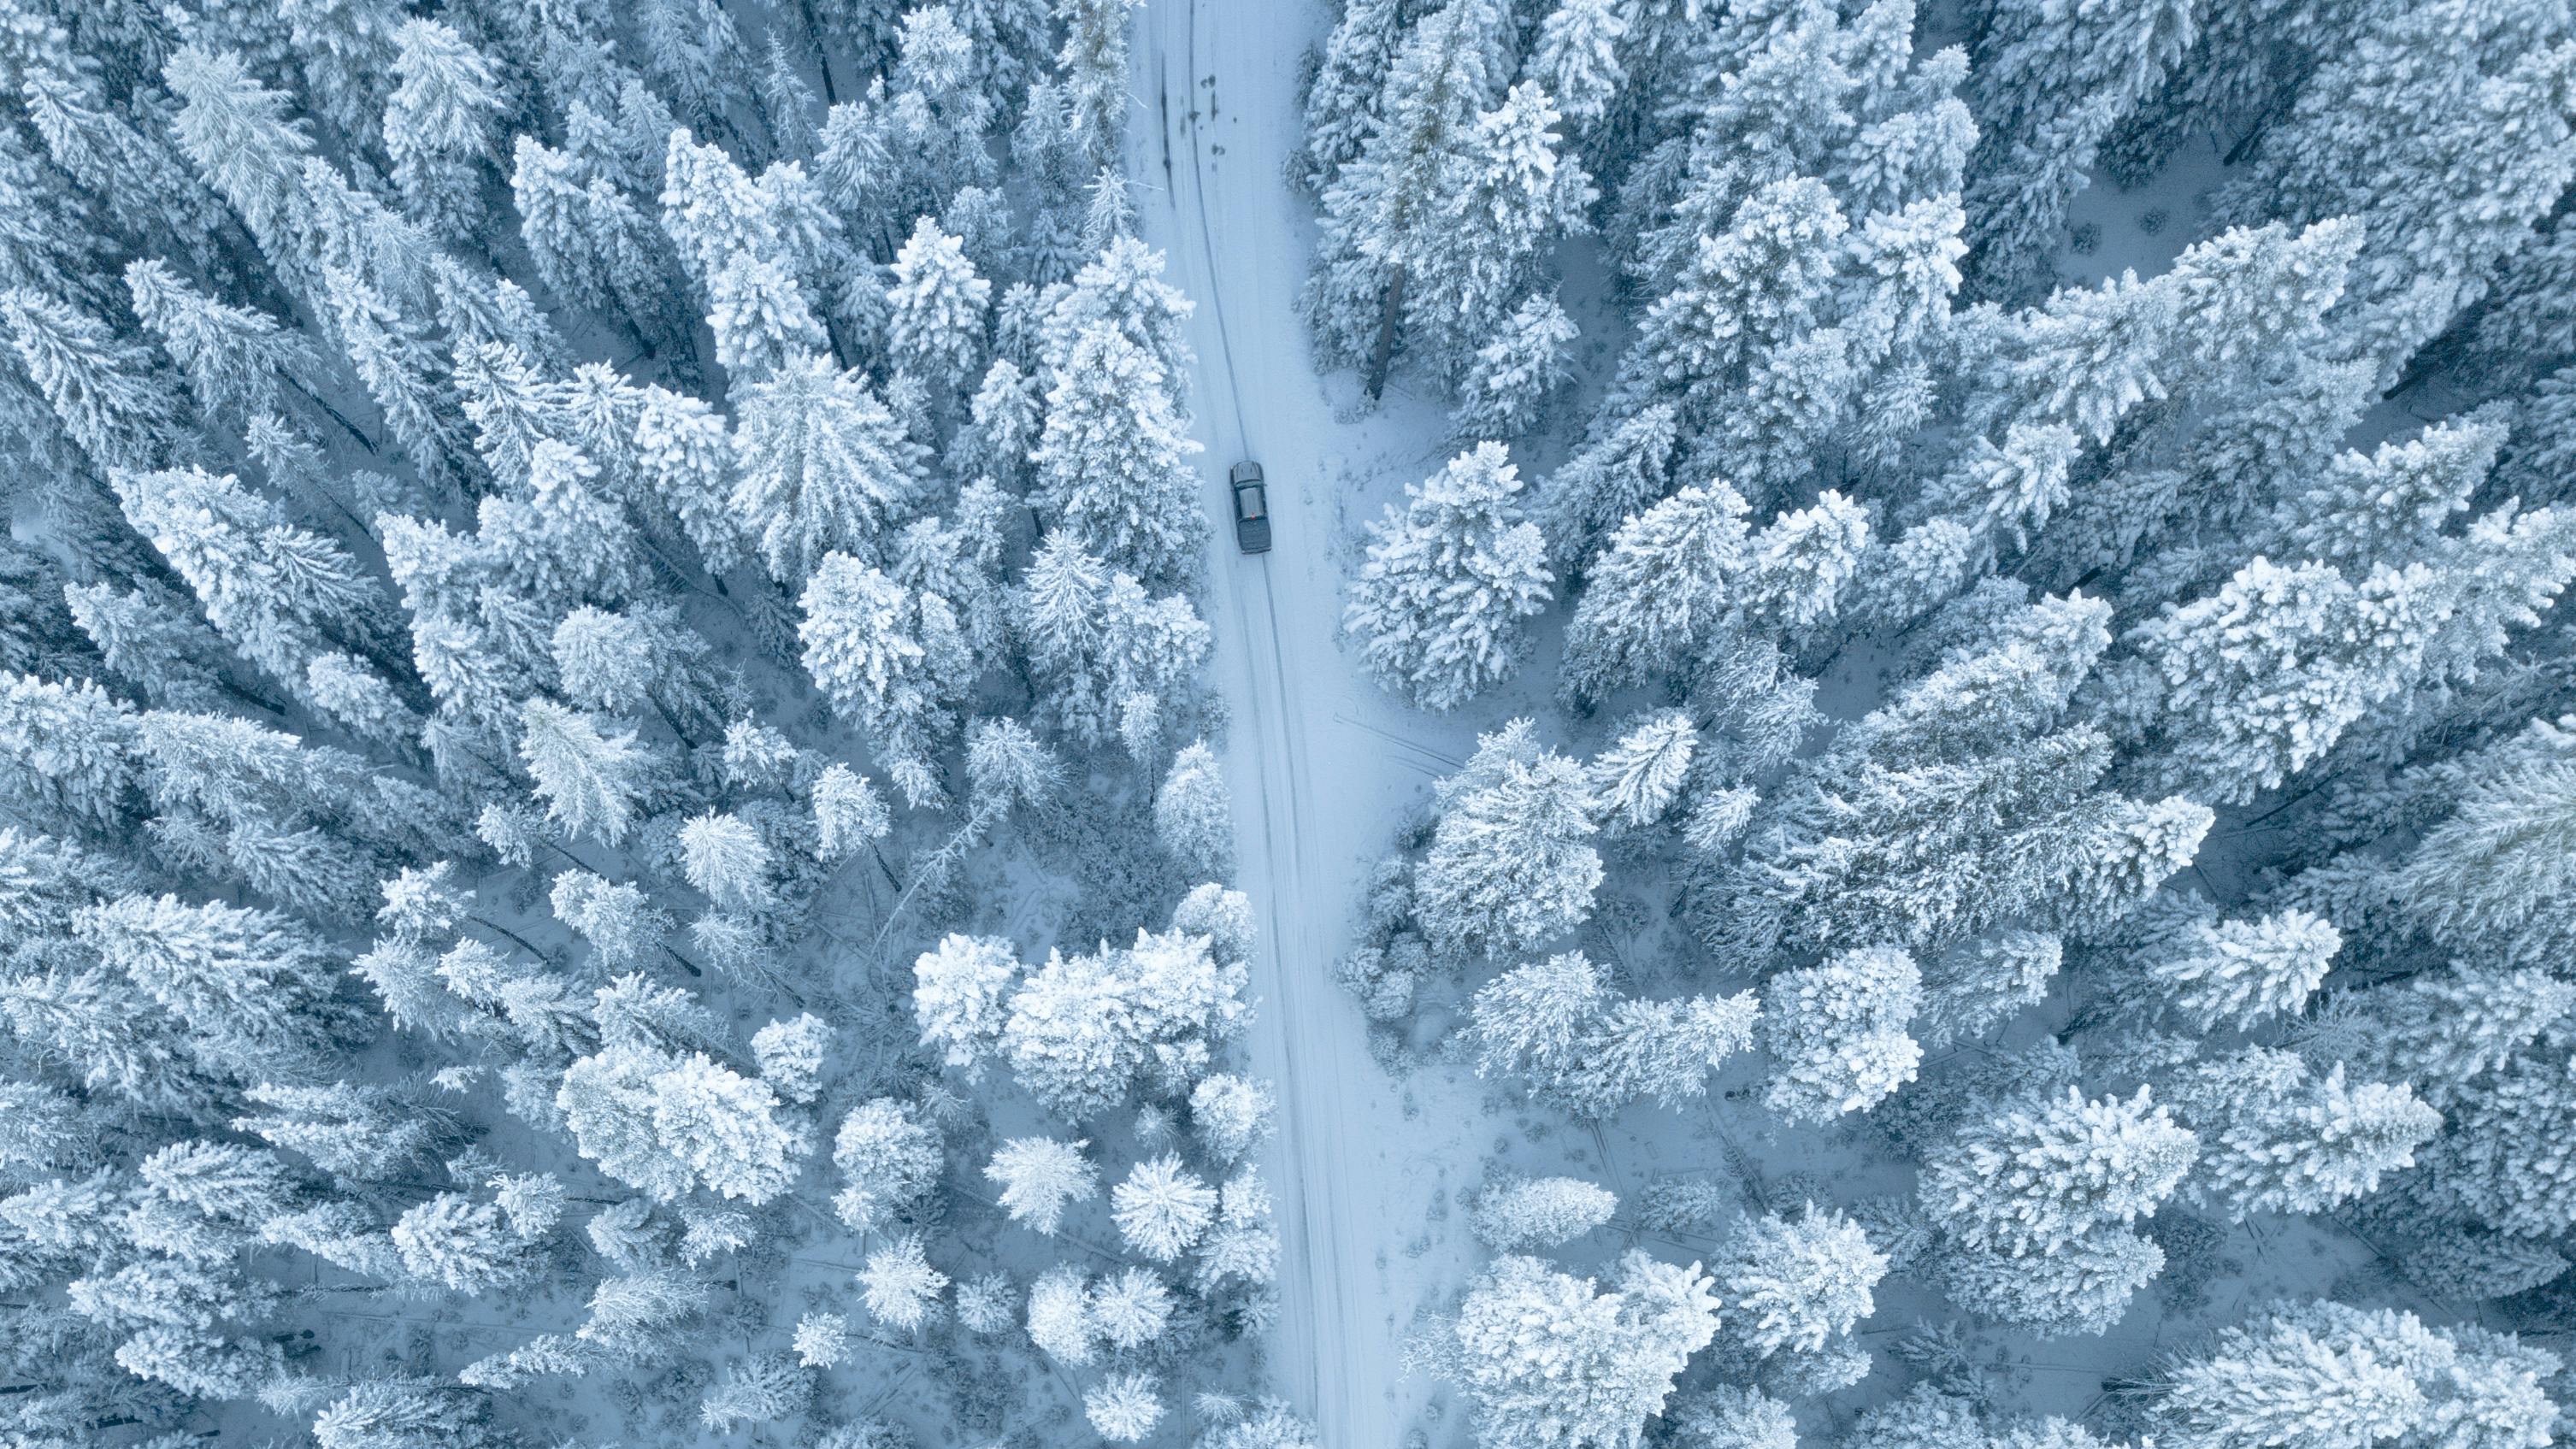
{"x":607,"y":838}
{"x":2004,"y":559}
{"x":1904,"y":778}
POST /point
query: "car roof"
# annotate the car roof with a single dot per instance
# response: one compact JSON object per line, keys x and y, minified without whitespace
{"x":1247,"y":471}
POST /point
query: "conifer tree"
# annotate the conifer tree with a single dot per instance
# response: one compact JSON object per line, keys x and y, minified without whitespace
{"x":1837,"y":1033}
{"x":2248,"y":970}
{"x":2042,"y":1175}
{"x":1193,"y":811}
{"x":1520,"y":1213}
{"x":1039,"y":1177}
{"x":1606,"y":1365}
{"x":1111,"y":462}
{"x":936,"y":318}
{"x":822,"y":467}
{"x":2260,"y":678}
{"x":1511,"y":863}
{"x":1577,"y":58}
{"x":1507,"y":191}
{"x":1385,"y":213}
{"x":439,"y":125}
{"x":1660,"y":590}
{"x":1506,"y":384}
{"x":1639,"y":779}
{"x":2305,"y":1375}
{"x":1797,"y":1285}
{"x":1094,"y":65}
{"x":591,"y":778}
{"x":1438,"y":605}
{"x":2316,"y":1146}
{"x":893,"y":659}
{"x":2048,"y":88}
{"x":105,"y":391}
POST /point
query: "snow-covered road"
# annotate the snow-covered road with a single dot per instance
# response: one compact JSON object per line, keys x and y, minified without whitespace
{"x":1321,"y":764}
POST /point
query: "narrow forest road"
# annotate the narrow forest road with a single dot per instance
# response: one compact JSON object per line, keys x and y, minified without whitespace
{"x":1321,"y":764}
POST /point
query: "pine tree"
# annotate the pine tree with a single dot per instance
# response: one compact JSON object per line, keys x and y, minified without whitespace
{"x":823,"y":466}
{"x":685,"y":458}
{"x":1597,"y":1366}
{"x":392,"y":1413}
{"x":2306,"y":1375}
{"x":1511,"y":863}
{"x":1798,"y":1285}
{"x":902,"y":1289}
{"x":2445,"y":1031}
{"x":2247,"y":970}
{"x":1578,"y":58}
{"x":464,"y":1246}
{"x":1094,"y":64}
{"x":1082,"y":1031}
{"x":2040,"y":1176}
{"x":1039,"y":1177}
{"x":1796,"y":568}
{"x":1059,"y":1316}
{"x":439,"y":125}
{"x":1505,"y":384}
{"x":891,"y":658}
{"x":1162,"y":1209}
{"x":252,"y":989}
{"x":1342,"y":100}
{"x":1230,"y":1115}
{"x":2499,"y":1162}
{"x":959,"y":992}
{"x":1741,"y":298}
{"x":1131,"y":1308}
{"x":1973,"y":988}
{"x":2316,"y":1147}
{"x":2049,"y":87}
{"x":727,"y":1129}
{"x":2455,"y":192}
{"x":1837,"y":1033}
{"x":1506,"y":192}
{"x":723,"y":855}
{"x":1194,"y":812}
{"x":107,"y":393}
{"x":2486,"y":881}
{"x":352,"y":1130}
{"x":234,"y":358}
{"x":936,"y":323}
{"x":1124,"y":1410}
{"x":1520,"y":1213}
{"x":235,"y":130}
{"x":2084,"y":1287}
{"x":1384,"y":212}
{"x":892,"y":1158}
{"x":1623,"y":467}
{"x":1639,"y":779}
{"x":1438,"y":604}
{"x":2260,"y":678}
{"x":1555,"y":1026}
{"x":1658,"y":592}
{"x":591,"y":778}
{"x":1111,"y":461}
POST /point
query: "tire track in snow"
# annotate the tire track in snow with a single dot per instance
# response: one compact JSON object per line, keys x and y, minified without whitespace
{"x":1319,"y":786}
{"x":1300,"y":1054}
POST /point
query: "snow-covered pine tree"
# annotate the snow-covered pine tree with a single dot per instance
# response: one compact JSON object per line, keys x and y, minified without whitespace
{"x":1440,"y":603}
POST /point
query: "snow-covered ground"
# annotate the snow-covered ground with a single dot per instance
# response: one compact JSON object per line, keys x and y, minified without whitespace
{"x":1322,"y":764}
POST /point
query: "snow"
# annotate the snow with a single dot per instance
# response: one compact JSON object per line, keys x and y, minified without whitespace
{"x":1323,"y":765}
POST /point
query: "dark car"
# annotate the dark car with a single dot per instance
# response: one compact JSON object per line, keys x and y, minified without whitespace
{"x":1251,"y":509}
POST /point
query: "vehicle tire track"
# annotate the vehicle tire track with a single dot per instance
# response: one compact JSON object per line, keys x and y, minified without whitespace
{"x":1333,"y":1350}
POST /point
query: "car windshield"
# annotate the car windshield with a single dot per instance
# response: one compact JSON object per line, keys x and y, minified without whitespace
{"x":1247,"y":501}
